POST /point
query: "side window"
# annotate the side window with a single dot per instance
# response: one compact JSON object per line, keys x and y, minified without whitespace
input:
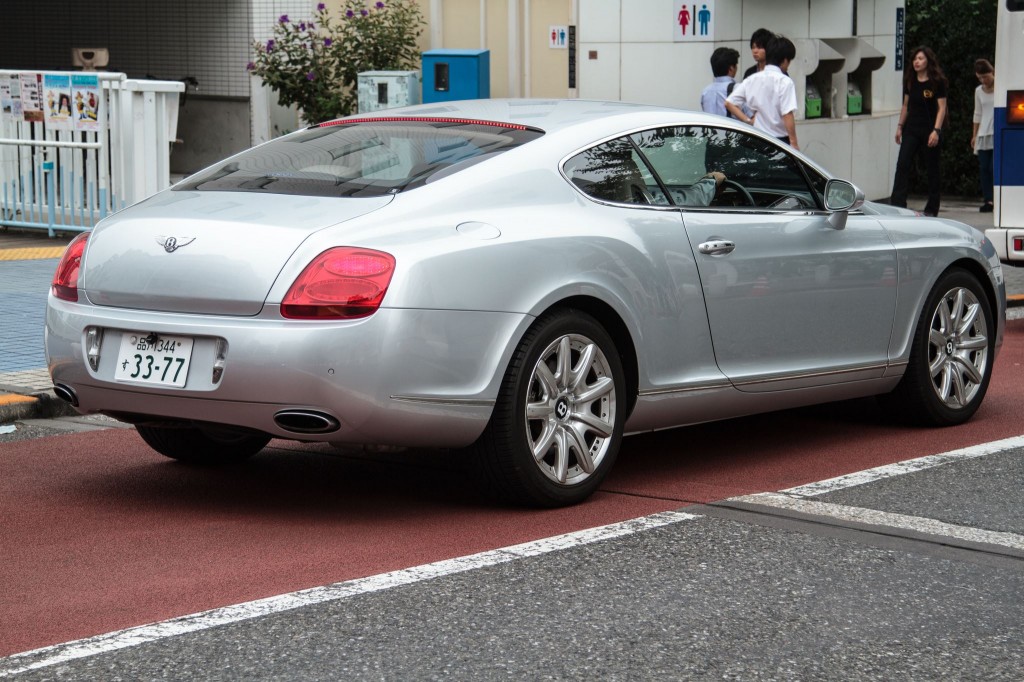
{"x":613,"y":171}
{"x":758,"y":173}
{"x":678,"y":155}
{"x":763,"y":173}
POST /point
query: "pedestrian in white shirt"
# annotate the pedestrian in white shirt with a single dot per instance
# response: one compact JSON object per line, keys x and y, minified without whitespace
{"x":981,"y":134}
{"x":769,"y":94}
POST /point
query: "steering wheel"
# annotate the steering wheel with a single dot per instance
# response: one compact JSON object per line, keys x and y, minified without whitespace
{"x":741,"y":189}
{"x":641,"y":195}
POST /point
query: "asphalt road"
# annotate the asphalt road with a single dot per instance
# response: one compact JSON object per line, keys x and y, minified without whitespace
{"x":727,"y":594}
{"x":916,"y":572}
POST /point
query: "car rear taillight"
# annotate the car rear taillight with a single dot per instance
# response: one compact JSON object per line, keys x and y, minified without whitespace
{"x":343,"y":282}
{"x":1018,"y":243}
{"x":65,"y":280}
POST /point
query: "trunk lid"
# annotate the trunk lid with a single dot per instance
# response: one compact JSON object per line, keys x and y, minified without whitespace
{"x":205,"y":252}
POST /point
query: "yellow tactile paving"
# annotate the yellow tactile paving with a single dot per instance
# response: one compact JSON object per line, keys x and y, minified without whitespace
{"x":12,"y":398}
{"x":32,"y":253}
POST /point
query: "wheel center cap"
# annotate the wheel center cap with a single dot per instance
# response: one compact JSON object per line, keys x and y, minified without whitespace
{"x":950,"y":348}
{"x":562,"y":408}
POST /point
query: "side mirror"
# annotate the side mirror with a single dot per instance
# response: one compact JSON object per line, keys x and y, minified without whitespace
{"x":841,"y":197}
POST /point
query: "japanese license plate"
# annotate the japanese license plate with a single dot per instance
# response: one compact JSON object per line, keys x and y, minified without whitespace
{"x":156,"y":359}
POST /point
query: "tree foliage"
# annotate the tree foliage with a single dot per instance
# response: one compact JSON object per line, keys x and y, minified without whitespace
{"x":314,"y":63}
{"x":959,"y":31}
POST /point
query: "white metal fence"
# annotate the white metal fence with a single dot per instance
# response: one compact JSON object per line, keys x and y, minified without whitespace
{"x":68,"y":180}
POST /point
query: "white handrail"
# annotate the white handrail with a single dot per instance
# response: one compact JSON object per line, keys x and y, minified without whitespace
{"x":49,"y":143}
{"x":69,"y":179}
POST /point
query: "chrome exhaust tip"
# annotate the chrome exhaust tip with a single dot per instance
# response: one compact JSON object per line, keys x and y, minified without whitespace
{"x":66,"y":393}
{"x":306,"y":421}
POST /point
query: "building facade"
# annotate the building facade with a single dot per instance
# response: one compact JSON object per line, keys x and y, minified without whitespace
{"x":633,"y":50}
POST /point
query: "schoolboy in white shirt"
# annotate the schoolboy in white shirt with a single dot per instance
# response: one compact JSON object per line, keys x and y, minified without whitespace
{"x":769,"y":94}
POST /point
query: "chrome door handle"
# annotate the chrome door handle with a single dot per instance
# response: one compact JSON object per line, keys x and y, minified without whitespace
{"x":714,"y":246}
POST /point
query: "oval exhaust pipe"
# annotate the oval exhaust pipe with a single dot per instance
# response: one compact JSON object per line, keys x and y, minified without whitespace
{"x":66,"y":393}
{"x":306,"y":421}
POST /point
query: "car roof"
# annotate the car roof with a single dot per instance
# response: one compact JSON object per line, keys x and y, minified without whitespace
{"x":572,"y":123}
{"x":549,"y":115}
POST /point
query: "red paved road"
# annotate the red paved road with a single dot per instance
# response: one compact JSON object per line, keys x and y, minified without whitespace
{"x":98,"y":533}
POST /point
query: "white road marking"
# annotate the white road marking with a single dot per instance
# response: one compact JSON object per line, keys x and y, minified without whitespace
{"x":112,"y":641}
{"x":879,"y":518}
{"x":907,"y":467}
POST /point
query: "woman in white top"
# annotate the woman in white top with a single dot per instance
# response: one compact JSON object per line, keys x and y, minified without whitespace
{"x":981,"y":137}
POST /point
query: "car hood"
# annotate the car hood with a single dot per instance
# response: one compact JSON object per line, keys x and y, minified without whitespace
{"x":205,"y":252}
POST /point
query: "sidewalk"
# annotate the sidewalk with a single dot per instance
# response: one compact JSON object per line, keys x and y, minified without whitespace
{"x":28,"y":259}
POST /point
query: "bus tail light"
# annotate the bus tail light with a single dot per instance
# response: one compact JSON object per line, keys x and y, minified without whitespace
{"x":1015,"y":106}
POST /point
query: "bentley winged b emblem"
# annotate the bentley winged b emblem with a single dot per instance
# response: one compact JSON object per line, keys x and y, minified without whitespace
{"x":172,"y":244}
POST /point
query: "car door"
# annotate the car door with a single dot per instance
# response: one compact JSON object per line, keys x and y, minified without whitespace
{"x":663,"y":287}
{"x":791,"y":301}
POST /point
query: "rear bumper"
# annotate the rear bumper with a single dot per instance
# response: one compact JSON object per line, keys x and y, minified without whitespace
{"x":424,"y":378}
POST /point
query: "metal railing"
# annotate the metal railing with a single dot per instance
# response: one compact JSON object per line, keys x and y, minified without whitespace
{"x":68,"y":180}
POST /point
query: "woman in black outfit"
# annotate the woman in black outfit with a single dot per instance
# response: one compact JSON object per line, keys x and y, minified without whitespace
{"x":920,"y":126}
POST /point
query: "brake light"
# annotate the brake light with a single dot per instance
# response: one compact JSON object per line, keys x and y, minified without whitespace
{"x":65,"y":279}
{"x":422,"y":119}
{"x":1018,"y":243}
{"x":340,"y":283}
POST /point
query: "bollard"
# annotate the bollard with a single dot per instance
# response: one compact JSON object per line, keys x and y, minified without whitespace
{"x":50,"y":192}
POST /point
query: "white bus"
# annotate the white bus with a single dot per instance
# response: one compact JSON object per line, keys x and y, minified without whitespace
{"x":1008,"y":157}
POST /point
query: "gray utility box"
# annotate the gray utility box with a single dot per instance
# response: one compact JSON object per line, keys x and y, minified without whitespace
{"x":379,"y":90}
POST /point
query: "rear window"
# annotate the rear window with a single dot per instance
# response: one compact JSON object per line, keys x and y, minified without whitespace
{"x":362,"y":159}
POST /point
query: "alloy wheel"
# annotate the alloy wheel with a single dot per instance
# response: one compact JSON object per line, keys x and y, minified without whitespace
{"x":570,"y":409}
{"x":958,"y":348}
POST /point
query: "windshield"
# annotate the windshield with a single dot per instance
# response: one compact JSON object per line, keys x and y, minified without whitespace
{"x":354,"y":159}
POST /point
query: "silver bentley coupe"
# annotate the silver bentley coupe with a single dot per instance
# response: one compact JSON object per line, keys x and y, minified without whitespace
{"x":531,"y":280}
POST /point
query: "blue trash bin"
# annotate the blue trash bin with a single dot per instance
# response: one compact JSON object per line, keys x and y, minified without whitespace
{"x":450,"y":75}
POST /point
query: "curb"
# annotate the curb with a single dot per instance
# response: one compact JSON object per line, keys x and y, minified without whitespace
{"x":40,"y":405}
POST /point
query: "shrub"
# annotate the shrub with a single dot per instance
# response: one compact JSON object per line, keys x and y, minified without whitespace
{"x":314,"y":63}
{"x":959,"y":31}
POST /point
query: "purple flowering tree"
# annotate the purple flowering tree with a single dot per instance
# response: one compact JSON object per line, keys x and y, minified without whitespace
{"x":313,"y":63}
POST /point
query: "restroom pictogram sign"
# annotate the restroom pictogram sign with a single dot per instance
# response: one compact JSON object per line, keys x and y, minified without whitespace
{"x":693,"y":21}
{"x":558,"y":37}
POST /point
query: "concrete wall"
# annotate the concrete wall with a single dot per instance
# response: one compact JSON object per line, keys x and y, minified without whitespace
{"x":209,"y":129}
{"x":626,"y":52}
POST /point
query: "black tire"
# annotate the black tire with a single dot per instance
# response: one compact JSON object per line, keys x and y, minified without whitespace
{"x":209,"y":446}
{"x":951,"y":356}
{"x":571,"y":410}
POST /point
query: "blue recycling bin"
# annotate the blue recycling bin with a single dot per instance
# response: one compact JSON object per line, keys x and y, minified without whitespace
{"x":450,"y":75}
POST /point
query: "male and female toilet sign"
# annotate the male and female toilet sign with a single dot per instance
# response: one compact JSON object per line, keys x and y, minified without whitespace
{"x":695,"y":21}
{"x":558,"y":37}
